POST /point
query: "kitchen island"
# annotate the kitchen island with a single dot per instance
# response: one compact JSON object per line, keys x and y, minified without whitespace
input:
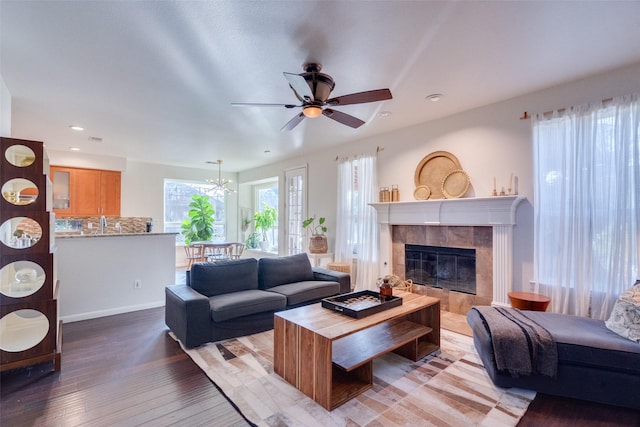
{"x":105,"y":274}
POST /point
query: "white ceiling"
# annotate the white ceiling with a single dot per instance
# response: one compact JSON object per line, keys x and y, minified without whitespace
{"x":155,"y":79}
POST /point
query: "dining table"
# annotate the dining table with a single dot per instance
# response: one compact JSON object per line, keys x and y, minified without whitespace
{"x":216,"y":249}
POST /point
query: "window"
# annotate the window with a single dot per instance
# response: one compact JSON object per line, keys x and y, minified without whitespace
{"x":587,"y":205}
{"x":267,"y":195}
{"x":177,"y":196}
{"x":295,"y":209}
{"x":356,"y":225}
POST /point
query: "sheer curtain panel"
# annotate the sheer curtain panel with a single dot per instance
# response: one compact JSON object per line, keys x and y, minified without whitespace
{"x":356,"y":221}
{"x":587,"y":205}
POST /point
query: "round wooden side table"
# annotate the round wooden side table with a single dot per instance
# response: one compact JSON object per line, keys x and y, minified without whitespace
{"x":529,"y":301}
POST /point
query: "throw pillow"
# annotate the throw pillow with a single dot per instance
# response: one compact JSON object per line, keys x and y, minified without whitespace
{"x":625,"y":317}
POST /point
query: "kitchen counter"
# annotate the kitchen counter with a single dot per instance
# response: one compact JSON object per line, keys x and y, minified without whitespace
{"x":105,"y":274}
{"x":65,"y":235}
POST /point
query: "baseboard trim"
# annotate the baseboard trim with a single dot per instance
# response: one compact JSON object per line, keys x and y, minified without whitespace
{"x":110,"y":312}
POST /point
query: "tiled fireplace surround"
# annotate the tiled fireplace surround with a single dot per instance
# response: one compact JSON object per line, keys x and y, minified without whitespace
{"x":468,"y":237}
{"x":484,"y":224}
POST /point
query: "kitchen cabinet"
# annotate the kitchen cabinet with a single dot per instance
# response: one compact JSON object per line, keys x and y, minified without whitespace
{"x":110,"y":183}
{"x":85,"y":192}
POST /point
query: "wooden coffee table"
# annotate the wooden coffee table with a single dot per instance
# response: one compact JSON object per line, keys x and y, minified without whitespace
{"x":329,"y":356}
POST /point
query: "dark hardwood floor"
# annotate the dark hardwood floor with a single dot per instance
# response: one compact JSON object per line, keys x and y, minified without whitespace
{"x":125,"y":370}
{"x":119,"y":370}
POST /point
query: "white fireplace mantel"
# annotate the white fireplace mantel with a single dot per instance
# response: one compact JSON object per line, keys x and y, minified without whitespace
{"x":496,"y":212}
{"x":487,"y":211}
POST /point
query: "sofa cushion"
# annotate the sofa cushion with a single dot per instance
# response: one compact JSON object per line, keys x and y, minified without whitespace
{"x":284,"y":270}
{"x":223,"y":277}
{"x":587,"y":342}
{"x":242,"y":303}
{"x":300,"y":292}
{"x":625,"y":316}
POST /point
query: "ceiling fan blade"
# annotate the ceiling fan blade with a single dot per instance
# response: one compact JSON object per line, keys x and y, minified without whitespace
{"x":293,"y":122}
{"x":299,"y":86}
{"x":250,"y":104}
{"x":343,"y":118}
{"x":361,"y":97}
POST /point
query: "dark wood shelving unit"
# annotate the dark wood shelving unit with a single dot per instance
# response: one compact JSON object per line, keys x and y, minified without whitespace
{"x":28,"y":289}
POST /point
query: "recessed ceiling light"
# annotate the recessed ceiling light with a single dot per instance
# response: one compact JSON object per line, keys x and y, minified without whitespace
{"x":434,"y":97}
{"x":384,"y":113}
{"x":75,"y":127}
{"x":95,"y":139}
{"x":74,"y":149}
{"x":267,"y":151}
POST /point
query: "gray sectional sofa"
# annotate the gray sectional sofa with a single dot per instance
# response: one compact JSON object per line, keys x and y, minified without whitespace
{"x":232,"y":298}
{"x":593,"y":363}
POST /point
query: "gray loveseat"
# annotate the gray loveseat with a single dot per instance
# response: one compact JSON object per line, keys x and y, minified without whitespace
{"x":594,"y":363}
{"x":227,"y":299}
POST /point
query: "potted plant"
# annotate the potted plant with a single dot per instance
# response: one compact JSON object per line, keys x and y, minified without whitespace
{"x":252,"y":240}
{"x":199,"y":225}
{"x":265,"y":221}
{"x":318,"y":241}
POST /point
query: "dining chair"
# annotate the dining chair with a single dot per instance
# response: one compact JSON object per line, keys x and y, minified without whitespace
{"x":236,"y":250}
{"x":218,"y":253}
{"x":195,"y":253}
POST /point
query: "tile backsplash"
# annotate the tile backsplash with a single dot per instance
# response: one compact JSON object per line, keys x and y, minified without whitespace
{"x":91,"y":225}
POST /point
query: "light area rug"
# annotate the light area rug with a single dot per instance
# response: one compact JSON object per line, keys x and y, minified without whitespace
{"x":450,"y":388}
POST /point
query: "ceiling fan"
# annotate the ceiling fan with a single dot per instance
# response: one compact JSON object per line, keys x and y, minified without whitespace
{"x":312,"y":88}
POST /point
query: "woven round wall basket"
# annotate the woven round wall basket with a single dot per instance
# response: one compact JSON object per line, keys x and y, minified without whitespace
{"x":318,"y":244}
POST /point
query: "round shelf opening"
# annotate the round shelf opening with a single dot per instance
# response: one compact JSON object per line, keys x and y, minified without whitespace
{"x":20,"y":191}
{"x":20,"y":232}
{"x":20,"y":279}
{"x":20,"y":155}
{"x":22,"y":330}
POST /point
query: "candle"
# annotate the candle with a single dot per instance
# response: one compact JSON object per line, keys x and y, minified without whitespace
{"x":510,"y":181}
{"x":494,"y":183}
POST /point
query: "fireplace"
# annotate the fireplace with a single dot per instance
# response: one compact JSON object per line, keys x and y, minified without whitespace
{"x":484,"y":224}
{"x":453,"y":269}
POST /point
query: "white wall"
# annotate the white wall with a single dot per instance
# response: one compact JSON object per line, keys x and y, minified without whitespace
{"x":5,"y":109}
{"x":97,"y":274}
{"x":489,"y":141}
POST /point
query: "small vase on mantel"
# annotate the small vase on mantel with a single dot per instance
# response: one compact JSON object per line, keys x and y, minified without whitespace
{"x":318,"y":244}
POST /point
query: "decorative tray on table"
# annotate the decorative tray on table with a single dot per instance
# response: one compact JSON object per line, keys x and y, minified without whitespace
{"x":360,"y":304}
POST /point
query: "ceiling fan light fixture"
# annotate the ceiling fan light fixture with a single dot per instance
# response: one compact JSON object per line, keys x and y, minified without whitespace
{"x":312,"y":111}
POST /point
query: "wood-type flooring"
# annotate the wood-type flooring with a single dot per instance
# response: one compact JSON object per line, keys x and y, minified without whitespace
{"x":125,"y":370}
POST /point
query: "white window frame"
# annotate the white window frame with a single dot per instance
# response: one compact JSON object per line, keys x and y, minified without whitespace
{"x":257,"y":207}
{"x":220,"y":226}
{"x":295,"y":210}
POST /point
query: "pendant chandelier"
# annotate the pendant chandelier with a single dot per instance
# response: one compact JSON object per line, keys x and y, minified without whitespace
{"x":220,"y":186}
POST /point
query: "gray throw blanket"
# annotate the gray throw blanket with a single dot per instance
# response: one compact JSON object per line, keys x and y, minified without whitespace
{"x":520,"y":345}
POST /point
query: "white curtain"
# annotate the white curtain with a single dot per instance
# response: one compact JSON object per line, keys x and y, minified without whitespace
{"x":356,"y":221}
{"x":587,"y":205}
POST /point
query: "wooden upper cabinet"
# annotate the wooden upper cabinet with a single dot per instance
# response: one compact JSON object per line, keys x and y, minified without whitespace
{"x":85,"y":192}
{"x":110,"y":193}
{"x":85,"y":188}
